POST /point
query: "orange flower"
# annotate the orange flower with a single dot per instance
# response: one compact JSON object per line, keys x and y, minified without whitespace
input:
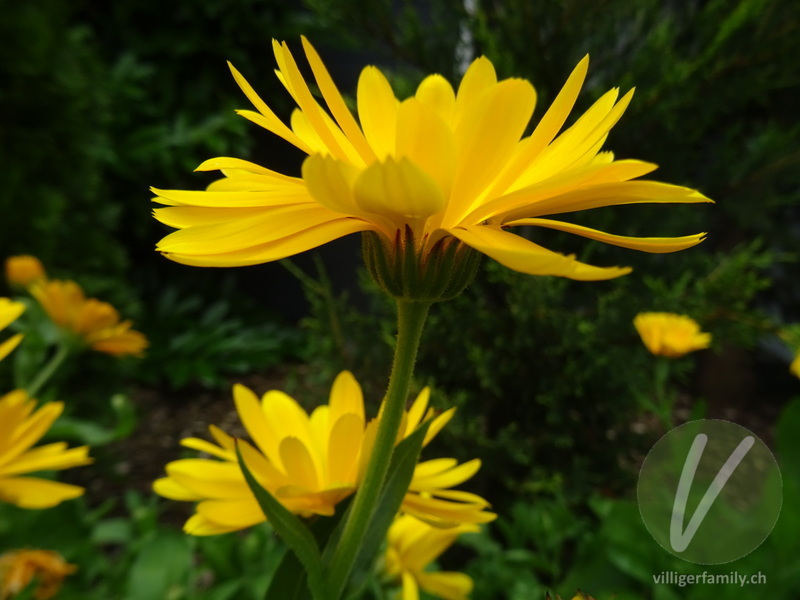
{"x":96,"y":323}
{"x":670,"y":335}
{"x":24,"y":270}
{"x":18,"y":568}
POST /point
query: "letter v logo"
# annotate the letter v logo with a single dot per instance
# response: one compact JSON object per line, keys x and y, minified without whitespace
{"x":679,"y":538}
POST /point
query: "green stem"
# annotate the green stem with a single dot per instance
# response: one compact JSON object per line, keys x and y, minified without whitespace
{"x":664,"y":398}
{"x":410,"y":322}
{"x":47,"y":371}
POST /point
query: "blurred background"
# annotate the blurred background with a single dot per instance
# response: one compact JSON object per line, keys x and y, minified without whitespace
{"x":99,"y":101}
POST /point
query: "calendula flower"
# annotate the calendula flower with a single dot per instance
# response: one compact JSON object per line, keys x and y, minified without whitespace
{"x":96,"y":324}
{"x":309,"y":463}
{"x":440,"y":168}
{"x":671,"y":335}
{"x":20,"y":567}
{"x":9,"y":312}
{"x":20,"y":428}
{"x":24,"y":270}
{"x":411,"y":546}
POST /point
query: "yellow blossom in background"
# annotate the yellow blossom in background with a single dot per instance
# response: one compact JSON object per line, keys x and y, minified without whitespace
{"x":96,"y":323}
{"x":20,"y":567}
{"x":794,"y":368}
{"x":20,"y":428}
{"x":9,"y":312}
{"x":451,"y":166}
{"x":411,"y":546}
{"x":671,"y":335}
{"x":24,"y":270}
{"x":309,"y":463}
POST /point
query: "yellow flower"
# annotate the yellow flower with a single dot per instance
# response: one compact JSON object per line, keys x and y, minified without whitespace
{"x":449,"y":166}
{"x":20,"y":429}
{"x":309,"y":463}
{"x":24,"y":270}
{"x":96,"y":323}
{"x":9,"y":312}
{"x":411,"y":546}
{"x":671,"y":335}
{"x":18,"y":568}
{"x":794,"y":368}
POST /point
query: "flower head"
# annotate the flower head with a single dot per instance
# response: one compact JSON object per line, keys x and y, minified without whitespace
{"x":19,"y":567}
{"x":95,"y":323}
{"x":20,"y":428}
{"x":9,"y":312}
{"x":309,"y":463}
{"x":24,"y":270}
{"x":449,"y":166}
{"x":671,"y":335}
{"x":411,"y":546}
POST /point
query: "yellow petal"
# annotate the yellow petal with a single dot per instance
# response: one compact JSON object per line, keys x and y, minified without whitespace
{"x":336,"y":104}
{"x":656,"y":245}
{"x":398,"y":189}
{"x":425,"y":139}
{"x":31,"y":431}
{"x":344,"y":448}
{"x":298,"y":463}
{"x":266,"y":119}
{"x":524,"y":202}
{"x":549,"y":125}
{"x":301,"y":241}
{"x":169,"y":488}
{"x":434,"y":466}
{"x":438,"y":423}
{"x":256,"y":423}
{"x":237,"y":514}
{"x":207,"y":447}
{"x":10,"y":311}
{"x":410,"y":589}
{"x":524,"y":256}
{"x":280,"y":194}
{"x":377,"y":111}
{"x":436,"y":93}
{"x":345,"y":398}
{"x":31,"y":492}
{"x":209,"y":478}
{"x":199,"y":525}
{"x":325,"y":129}
{"x":417,"y":410}
{"x":479,"y":76}
{"x":53,"y":457}
{"x":485,"y":137}
{"x":8,"y":345}
{"x":269,"y":225}
{"x":227,"y":164}
{"x":447,"y":585}
{"x":330,"y":182}
{"x":446,"y":479}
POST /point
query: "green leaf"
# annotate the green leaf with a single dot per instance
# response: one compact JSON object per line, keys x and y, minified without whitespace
{"x":161,"y":568}
{"x":401,"y":471}
{"x":290,"y":528}
{"x":289,"y":579}
{"x":788,"y":442}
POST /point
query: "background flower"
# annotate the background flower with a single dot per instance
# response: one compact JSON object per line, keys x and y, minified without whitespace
{"x":20,"y":567}
{"x":411,"y":546}
{"x":671,"y":335}
{"x":20,"y":428}
{"x":9,"y":312}
{"x":309,"y":463}
{"x":94,"y":322}
{"x":24,"y":270}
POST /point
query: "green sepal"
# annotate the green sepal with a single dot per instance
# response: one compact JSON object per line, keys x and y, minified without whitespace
{"x":395,"y":488}
{"x":425,"y":274}
{"x":291,"y":529}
